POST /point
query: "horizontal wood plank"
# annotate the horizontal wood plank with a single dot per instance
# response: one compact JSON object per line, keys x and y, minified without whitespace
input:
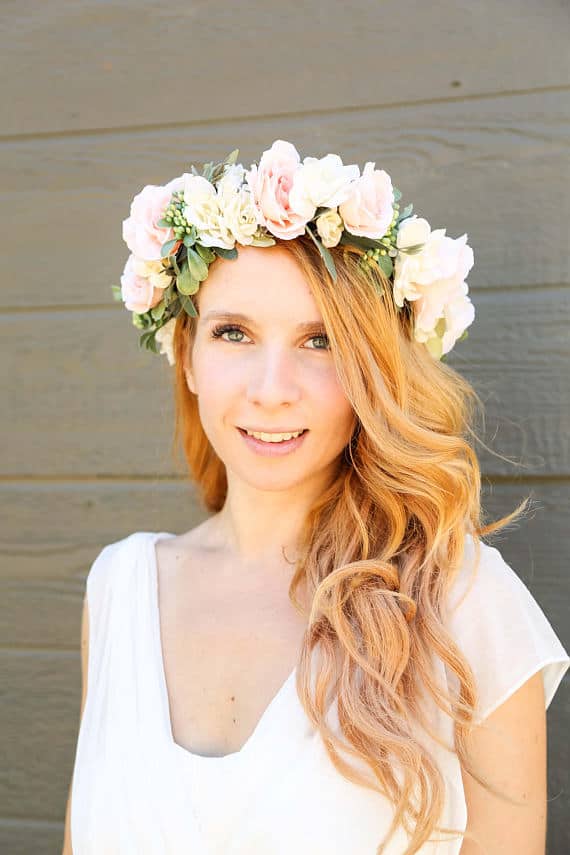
{"x":80,"y":388}
{"x":71,"y":66}
{"x":39,"y":716}
{"x":497,"y":169}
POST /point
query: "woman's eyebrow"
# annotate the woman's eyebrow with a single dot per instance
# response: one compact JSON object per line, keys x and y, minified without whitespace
{"x":238,"y":316}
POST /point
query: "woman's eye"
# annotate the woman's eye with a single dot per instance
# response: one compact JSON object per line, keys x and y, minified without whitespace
{"x":321,"y":336}
{"x":218,"y":332}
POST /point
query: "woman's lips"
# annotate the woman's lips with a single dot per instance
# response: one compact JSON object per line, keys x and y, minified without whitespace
{"x":273,"y":449}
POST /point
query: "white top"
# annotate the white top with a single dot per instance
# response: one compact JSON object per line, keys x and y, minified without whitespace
{"x":136,"y":792}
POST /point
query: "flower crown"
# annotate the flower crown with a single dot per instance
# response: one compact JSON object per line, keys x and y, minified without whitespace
{"x":175,"y":231}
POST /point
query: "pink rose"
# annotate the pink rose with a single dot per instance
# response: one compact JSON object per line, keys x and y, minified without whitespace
{"x":138,"y":292}
{"x":140,"y":233}
{"x":271,"y":183}
{"x":368,"y":211}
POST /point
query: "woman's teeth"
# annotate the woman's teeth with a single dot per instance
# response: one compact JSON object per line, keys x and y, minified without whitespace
{"x":273,"y":437}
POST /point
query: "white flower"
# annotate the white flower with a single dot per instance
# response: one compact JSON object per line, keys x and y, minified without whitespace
{"x":164,"y":336}
{"x":433,"y":279}
{"x":369,"y":209}
{"x":322,"y":182}
{"x":329,"y":227}
{"x":202,"y":209}
{"x":237,"y":205}
{"x":152,"y":270}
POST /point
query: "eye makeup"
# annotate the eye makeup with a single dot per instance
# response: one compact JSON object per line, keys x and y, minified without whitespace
{"x":220,"y":329}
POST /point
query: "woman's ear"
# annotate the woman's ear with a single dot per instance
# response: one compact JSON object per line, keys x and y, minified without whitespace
{"x":189,"y":380}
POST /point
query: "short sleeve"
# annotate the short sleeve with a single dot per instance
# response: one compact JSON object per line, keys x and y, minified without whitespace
{"x":502,"y":630}
{"x":101,"y":581}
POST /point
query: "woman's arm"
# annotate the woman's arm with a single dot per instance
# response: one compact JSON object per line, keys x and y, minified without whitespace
{"x":509,"y":748}
{"x":67,"y":850}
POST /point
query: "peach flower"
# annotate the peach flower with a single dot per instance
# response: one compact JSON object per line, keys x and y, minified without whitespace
{"x":433,"y":279}
{"x":140,"y":232}
{"x":368,"y":211}
{"x":271,"y":183}
{"x":138,"y":291}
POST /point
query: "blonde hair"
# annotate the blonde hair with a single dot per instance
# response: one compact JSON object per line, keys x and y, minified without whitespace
{"x":383,"y":543}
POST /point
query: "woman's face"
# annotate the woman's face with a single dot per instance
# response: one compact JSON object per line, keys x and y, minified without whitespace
{"x":270,"y":374}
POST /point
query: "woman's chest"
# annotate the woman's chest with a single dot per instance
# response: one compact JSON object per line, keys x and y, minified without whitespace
{"x":226,"y":660}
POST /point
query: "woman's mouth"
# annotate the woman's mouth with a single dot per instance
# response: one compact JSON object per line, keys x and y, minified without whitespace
{"x":273,"y":448}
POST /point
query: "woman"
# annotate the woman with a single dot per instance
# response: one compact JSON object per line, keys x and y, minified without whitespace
{"x":333,"y":661}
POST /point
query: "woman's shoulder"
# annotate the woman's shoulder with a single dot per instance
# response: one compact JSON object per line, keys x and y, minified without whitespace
{"x":113,"y":561}
{"x":501,"y":628}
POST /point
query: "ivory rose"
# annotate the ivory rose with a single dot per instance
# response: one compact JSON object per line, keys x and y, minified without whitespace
{"x":141,"y":292}
{"x":322,"y":182}
{"x":329,"y":227}
{"x":271,"y":183}
{"x":142,"y":236}
{"x":165,"y":337}
{"x":202,"y":209}
{"x":368,"y":211}
{"x":237,"y":205}
{"x":433,"y":279}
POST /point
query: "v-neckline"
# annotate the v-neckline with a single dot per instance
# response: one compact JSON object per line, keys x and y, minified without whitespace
{"x":163,"y":688}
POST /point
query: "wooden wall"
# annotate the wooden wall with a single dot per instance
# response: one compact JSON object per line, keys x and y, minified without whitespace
{"x":466,"y":105}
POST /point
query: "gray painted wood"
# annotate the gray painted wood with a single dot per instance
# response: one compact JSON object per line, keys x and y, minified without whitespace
{"x":465,"y":105}
{"x":67,"y":401}
{"x":494,"y":168}
{"x":104,"y":66}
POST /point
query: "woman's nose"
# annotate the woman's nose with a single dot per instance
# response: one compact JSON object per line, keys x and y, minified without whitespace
{"x":274,"y":378}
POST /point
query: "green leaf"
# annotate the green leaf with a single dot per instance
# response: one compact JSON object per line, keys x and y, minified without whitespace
{"x":205,"y":253}
{"x":188,"y":306}
{"x":325,"y":254}
{"x":225,"y":253}
{"x":163,"y":224}
{"x":116,"y":289}
{"x":232,"y":157}
{"x":362,"y":242}
{"x":397,"y":194}
{"x":405,"y":213}
{"x":158,"y":311}
{"x":384,"y":262}
{"x":167,"y":247}
{"x":197,"y":265}
{"x":263,"y":240}
{"x":189,"y":240}
{"x":412,"y":250}
{"x":175,"y":265}
{"x":185,"y":283}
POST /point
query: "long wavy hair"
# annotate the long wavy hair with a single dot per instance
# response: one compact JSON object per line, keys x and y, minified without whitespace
{"x":382,"y":545}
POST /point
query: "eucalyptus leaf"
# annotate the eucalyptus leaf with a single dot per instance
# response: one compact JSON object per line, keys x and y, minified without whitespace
{"x":397,"y":194}
{"x":175,"y":265}
{"x":167,"y":247}
{"x":205,"y":253}
{"x":325,"y":254}
{"x":189,"y":240}
{"x":188,"y":306}
{"x":163,"y":224}
{"x":186,"y":284}
{"x":362,"y":242}
{"x":158,"y":311}
{"x":197,"y":265}
{"x":385,"y":264}
{"x":263,"y":240}
{"x":412,"y":250}
{"x":405,"y":213}
{"x":225,"y":253}
{"x":116,"y":289}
